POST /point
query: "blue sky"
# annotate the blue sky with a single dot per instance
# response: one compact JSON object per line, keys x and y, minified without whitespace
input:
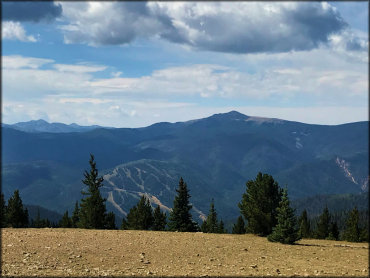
{"x":131,"y":64}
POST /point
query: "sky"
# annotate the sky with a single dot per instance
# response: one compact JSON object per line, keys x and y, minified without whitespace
{"x":132,"y":64}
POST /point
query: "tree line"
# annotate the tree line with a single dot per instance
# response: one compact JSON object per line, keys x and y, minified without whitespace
{"x":265,"y":211}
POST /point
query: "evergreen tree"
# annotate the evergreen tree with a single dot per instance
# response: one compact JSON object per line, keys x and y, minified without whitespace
{"x":140,"y":217}
{"x":322,"y":230}
{"x":17,"y":217}
{"x":37,"y":223}
{"x":3,"y":211}
{"x":160,"y":221}
{"x":110,"y":222}
{"x":304,"y":225}
{"x":211,"y":222}
{"x":75,"y":216}
{"x":124,"y":225}
{"x":286,"y":230}
{"x":221,"y":227}
{"x":352,"y":230}
{"x":333,"y":231}
{"x":204,"y":226}
{"x":259,"y":204}
{"x":180,"y":218}
{"x":239,"y":226}
{"x":65,"y":222}
{"x":93,"y":211}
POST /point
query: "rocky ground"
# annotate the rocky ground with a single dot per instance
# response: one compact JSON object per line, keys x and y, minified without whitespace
{"x":76,"y":252}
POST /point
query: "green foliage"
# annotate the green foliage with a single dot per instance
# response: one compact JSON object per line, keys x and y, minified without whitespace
{"x":124,"y":225}
{"x":211,"y":222}
{"x":286,"y":230}
{"x":259,"y":204}
{"x":75,"y":216}
{"x":333,"y":231}
{"x":110,"y":222}
{"x":140,"y":217}
{"x":322,"y":229}
{"x":221,"y":228}
{"x":40,"y":223}
{"x":159,"y":223}
{"x":93,"y":211}
{"x":239,"y":226}
{"x":352,"y":232}
{"x":66,"y":221}
{"x":3,"y":211}
{"x":304,"y":225}
{"x":180,"y":218}
{"x":16,"y":216}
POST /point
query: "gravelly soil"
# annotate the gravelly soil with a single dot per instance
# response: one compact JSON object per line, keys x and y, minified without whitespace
{"x":77,"y":252}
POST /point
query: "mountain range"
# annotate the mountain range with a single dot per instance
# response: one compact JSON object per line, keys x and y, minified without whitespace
{"x":214,"y":155}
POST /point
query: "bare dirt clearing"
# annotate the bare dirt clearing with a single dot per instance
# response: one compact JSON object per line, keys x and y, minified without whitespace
{"x":77,"y":252}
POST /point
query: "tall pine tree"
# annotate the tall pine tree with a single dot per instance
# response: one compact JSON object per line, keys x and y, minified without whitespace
{"x":66,"y":221}
{"x":3,"y":211}
{"x":259,"y":204}
{"x":140,"y":217}
{"x":286,"y":230}
{"x":93,"y":211}
{"x":304,"y":225}
{"x":17,"y":217}
{"x":211,"y":221}
{"x":352,"y":230}
{"x":239,"y":226}
{"x":322,"y":229}
{"x":75,"y":216}
{"x":159,"y":223}
{"x":180,"y":218}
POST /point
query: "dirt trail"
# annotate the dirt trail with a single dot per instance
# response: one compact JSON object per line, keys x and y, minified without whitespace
{"x":77,"y":252}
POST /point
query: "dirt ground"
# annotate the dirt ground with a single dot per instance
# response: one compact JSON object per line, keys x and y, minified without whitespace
{"x":77,"y":252}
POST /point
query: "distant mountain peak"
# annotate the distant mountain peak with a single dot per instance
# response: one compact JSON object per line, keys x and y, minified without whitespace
{"x":232,"y":115}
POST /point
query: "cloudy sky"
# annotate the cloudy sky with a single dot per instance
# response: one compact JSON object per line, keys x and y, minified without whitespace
{"x":131,"y":64}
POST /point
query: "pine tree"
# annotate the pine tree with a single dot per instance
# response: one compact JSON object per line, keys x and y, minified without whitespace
{"x":239,"y":226}
{"x":322,"y":230}
{"x":75,"y":216}
{"x":17,"y":217}
{"x":333,"y":231}
{"x":3,"y":211}
{"x":140,"y":217}
{"x":204,"y":226}
{"x":93,"y":211}
{"x":221,"y":227}
{"x":65,"y":222}
{"x":160,"y":222}
{"x":352,"y":230}
{"x":124,"y":225}
{"x":286,"y":230}
{"x":304,"y":225}
{"x":259,"y":204}
{"x":110,"y":222}
{"x":37,"y":222}
{"x":180,"y":218}
{"x":211,"y":222}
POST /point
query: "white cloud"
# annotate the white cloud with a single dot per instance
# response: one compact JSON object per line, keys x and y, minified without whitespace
{"x":79,"y":68}
{"x":14,"y":31}
{"x":234,"y":27}
{"x":21,"y":62}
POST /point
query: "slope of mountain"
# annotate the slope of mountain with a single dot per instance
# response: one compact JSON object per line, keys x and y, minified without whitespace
{"x":214,"y":155}
{"x":44,"y":126}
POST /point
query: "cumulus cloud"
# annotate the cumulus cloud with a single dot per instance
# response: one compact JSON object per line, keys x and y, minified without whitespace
{"x":30,"y":11}
{"x":15,"y":31}
{"x":234,"y":27}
